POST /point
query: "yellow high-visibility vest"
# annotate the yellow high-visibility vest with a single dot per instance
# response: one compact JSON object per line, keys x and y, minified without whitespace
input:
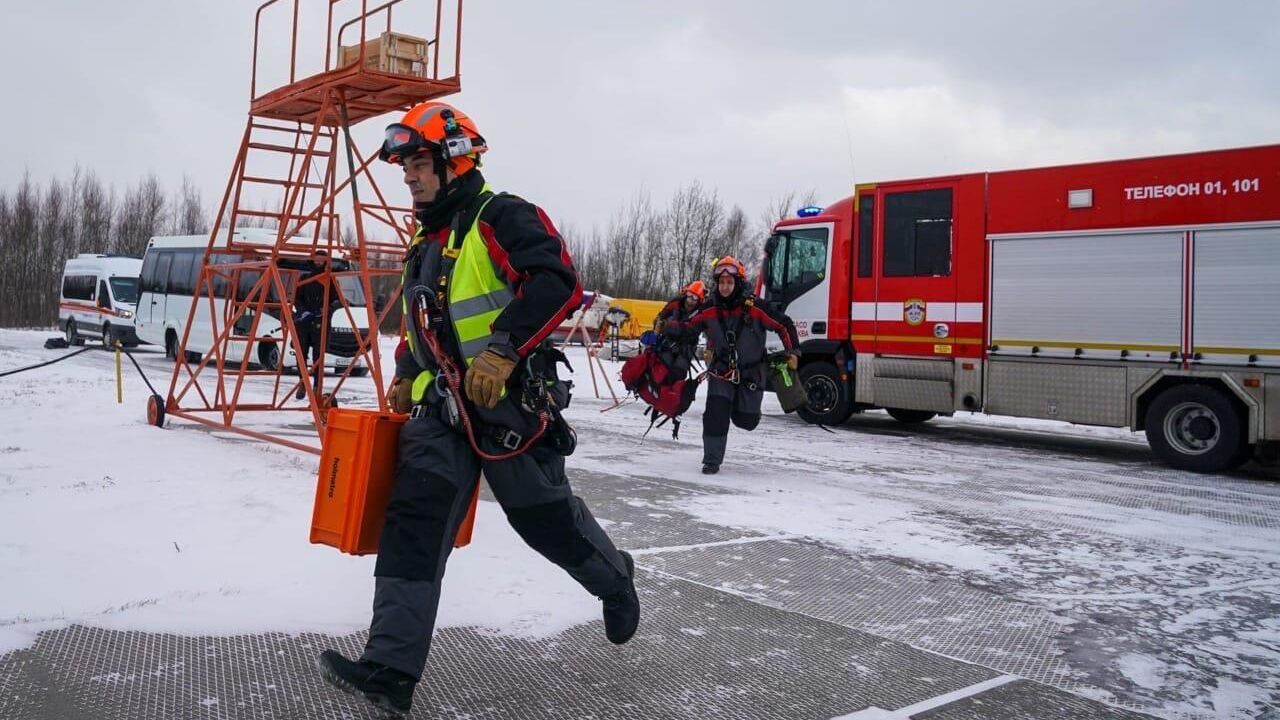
{"x":476,"y":295}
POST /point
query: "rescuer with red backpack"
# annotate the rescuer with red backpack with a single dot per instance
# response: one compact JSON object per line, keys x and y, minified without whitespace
{"x":659,"y":375}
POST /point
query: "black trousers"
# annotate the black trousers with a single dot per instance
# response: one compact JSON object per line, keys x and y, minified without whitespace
{"x":728,"y":402}
{"x":436,"y":474}
{"x":309,"y":339}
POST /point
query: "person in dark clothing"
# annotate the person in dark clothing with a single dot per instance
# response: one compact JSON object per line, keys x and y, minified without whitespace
{"x":485,"y":282}
{"x":735,"y":323}
{"x":676,"y":349}
{"x":310,"y":313}
{"x":683,"y":306}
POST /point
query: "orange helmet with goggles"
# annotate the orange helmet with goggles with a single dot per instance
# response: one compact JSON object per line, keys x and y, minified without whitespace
{"x":696,"y":289}
{"x":728,"y":264}
{"x":437,"y":128}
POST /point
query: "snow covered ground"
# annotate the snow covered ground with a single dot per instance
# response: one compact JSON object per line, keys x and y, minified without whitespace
{"x":107,"y":521}
{"x":1165,"y":584}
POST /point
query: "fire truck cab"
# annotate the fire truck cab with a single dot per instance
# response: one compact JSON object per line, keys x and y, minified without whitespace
{"x":1135,"y":293}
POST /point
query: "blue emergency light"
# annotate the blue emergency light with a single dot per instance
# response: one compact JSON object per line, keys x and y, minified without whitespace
{"x":809,"y":211}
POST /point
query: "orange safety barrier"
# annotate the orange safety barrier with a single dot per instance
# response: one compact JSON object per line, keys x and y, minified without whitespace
{"x":357,"y":471}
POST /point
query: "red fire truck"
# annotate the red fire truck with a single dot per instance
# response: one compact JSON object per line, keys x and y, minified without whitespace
{"x":1134,"y":293}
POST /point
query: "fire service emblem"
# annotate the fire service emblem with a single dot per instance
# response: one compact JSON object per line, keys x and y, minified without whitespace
{"x":913,"y":311}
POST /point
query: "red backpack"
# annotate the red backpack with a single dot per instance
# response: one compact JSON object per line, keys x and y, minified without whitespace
{"x":667,"y":396}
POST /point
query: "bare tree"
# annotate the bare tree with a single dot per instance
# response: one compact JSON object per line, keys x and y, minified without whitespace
{"x":188,"y":216}
{"x":141,"y":216}
{"x":23,"y":242}
{"x":737,"y":240}
{"x":97,"y":212}
{"x":784,"y":206}
{"x":50,"y":252}
{"x":627,"y":241}
{"x":8,"y":258}
{"x":708,"y":217}
{"x":644,"y":251}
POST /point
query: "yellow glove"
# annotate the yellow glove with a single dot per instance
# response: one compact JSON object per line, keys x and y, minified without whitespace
{"x":400,"y":395}
{"x":487,"y":378}
{"x":793,"y":361}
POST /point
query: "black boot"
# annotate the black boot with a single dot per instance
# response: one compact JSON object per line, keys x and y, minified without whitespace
{"x":709,"y":469}
{"x":387,"y":689}
{"x":622,"y":609}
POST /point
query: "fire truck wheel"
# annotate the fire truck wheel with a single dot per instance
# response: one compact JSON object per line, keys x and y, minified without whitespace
{"x":910,"y":417}
{"x":1196,"y":428}
{"x":830,"y":399}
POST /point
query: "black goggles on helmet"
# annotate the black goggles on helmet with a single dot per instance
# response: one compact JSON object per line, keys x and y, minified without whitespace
{"x":402,"y":141}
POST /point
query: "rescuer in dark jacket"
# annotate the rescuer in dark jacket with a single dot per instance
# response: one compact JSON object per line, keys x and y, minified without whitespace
{"x":676,"y":349}
{"x":485,"y":282}
{"x":735,"y":323}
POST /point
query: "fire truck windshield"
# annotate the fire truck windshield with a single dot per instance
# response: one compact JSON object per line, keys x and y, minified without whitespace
{"x":795,"y":260}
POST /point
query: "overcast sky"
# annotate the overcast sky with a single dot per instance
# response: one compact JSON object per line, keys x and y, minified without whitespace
{"x":584,"y":102}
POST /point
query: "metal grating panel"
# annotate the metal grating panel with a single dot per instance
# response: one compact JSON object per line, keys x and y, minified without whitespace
{"x":1026,"y":700}
{"x":699,"y":654}
{"x":887,"y":599}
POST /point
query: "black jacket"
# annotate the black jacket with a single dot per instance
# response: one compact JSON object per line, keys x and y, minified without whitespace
{"x":527,"y":250}
{"x":739,"y":330}
{"x":308,"y":302}
{"x":674,"y":310}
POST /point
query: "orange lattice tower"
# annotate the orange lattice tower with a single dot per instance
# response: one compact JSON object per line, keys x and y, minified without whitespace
{"x":234,"y":356}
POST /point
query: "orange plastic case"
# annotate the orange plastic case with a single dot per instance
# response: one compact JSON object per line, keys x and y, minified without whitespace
{"x":357,"y":471}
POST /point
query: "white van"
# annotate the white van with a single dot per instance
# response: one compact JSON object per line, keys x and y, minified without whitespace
{"x":170,"y":271}
{"x":98,"y":299}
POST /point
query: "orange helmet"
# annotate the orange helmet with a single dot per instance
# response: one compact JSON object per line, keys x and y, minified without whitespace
{"x":696,"y":289}
{"x":728,"y":264}
{"x":439,"y":128}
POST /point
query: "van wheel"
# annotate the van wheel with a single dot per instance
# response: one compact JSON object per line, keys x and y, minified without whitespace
{"x":359,"y":371}
{"x":830,"y":402}
{"x":1197,"y":428}
{"x":108,"y":342}
{"x":269,"y":356}
{"x":171,"y":345}
{"x":73,"y":335}
{"x":910,"y":417}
